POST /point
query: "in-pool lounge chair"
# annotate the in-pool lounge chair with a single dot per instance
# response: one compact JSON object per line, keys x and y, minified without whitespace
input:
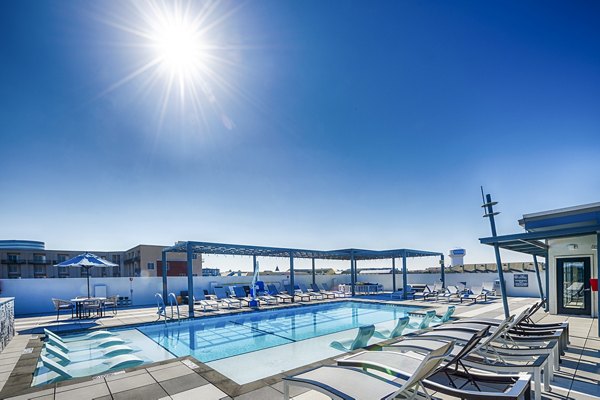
{"x":122,"y":361}
{"x":94,"y":335}
{"x":445,"y":317}
{"x":272,"y":290}
{"x":84,"y":344}
{"x":85,"y":355}
{"x":351,"y":383}
{"x":449,"y":379}
{"x":423,"y":323}
{"x":362,"y":338}
{"x":397,"y":331}
{"x":224,"y":299}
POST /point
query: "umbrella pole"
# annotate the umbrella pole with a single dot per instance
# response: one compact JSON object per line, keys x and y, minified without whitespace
{"x":88,"y":281}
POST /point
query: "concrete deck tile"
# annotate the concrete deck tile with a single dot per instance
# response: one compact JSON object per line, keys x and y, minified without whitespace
{"x":294,"y":390}
{"x":311,"y":395}
{"x":265,"y":393}
{"x":47,"y":392}
{"x":88,"y":392}
{"x":66,"y":387}
{"x":174,"y":371}
{"x":149,"y":392}
{"x":206,"y":392}
{"x":130,"y":382}
{"x":183,"y":383}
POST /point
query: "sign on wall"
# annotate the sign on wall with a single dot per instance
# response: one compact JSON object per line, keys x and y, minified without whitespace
{"x":521,"y":280}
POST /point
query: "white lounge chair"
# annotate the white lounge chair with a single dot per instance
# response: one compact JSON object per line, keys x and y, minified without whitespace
{"x":122,"y":361}
{"x":205,"y":303}
{"x":93,"y":335}
{"x":397,"y":331}
{"x":85,"y":355}
{"x":84,"y":344}
{"x":351,"y":383}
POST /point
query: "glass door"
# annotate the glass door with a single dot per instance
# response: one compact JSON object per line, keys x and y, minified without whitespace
{"x":573,"y":276}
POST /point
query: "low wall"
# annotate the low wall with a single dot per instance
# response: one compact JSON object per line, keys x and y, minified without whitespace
{"x":7,"y":321}
{"x":33,"y":296}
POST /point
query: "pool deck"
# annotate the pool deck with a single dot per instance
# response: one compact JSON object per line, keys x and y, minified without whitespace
{"x":187,"y":378}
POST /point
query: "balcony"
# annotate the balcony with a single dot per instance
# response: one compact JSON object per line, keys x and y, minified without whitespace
{"x":14,"y":261}
{"x":131,"y":260}
{"x":41,"y":262}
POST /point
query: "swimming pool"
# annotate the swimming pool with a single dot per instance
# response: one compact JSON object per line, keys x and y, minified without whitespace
{"x":279,"y":340}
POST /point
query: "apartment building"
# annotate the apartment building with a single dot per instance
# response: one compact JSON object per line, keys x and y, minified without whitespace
{"x":31,"y":259}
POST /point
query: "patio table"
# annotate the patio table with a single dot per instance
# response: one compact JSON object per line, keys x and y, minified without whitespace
{"x":79,"y":304}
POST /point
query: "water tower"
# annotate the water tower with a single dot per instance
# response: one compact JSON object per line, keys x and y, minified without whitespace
{"x":457,"y":257}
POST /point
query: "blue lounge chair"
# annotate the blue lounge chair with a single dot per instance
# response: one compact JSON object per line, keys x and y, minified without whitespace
{"x":397,"y":331}
{"x":272,"y":290}
{"x":315,"y":289}
{"x":361,"y":340}
{"x":223,"y":298}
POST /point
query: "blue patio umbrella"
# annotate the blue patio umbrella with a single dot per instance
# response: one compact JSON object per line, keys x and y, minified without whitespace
{"x":86,"y":260}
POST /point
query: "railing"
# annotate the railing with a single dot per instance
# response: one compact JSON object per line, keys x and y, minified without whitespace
{"x":14,"y":261}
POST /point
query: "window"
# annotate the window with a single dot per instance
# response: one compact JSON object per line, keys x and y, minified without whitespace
{"x":13,"y":257}
{"x":14,"y":271}
{"x":116,"y":258}
{"x":62,"y":257}
{"x":63,"y":272}
{"x":39,"y":258}
{"x":39,"y":271}
{"x":150,"y":265}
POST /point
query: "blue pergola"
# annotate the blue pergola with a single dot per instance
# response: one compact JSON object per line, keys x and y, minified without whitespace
{"x":563,"y":223}
{"x":352,"y":255}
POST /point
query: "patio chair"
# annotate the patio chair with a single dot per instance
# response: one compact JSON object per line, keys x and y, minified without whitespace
{"x":361,"y":340}
{"x":92,"y":306}
{"x":425,"y":294}
{"x":223,"y":298}
{"x":351,"y":383}
{"x":338,"y":293}
{"x":92,"y":368}
{"x":476,"y":293}
{"x":449,"y":379}
{"x":205,"y":303}
{"x":316,"y":296}
{"x":86,"y":355}
{"x":315,"y":289}
{"x":488,"y":287}
{"x":298,"y":293}
{"x":111,"y":303}
{"x":397,"y":331}
{"x":238,"y":292}
{"x":399,"y":294}
{"x":61,"y":305}
{"x":272,"y":290}
{"x":449,"y":294}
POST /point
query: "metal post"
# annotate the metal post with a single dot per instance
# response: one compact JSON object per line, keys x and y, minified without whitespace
{"x":190,"y":274}
{"x":292,"y":276}
{"x":539,"y":278}
{"x":404,"y":277}
{"x":313,"y":271}
{"x":393,"y":274}
{"x":164,"y":274}
{"x":547,"y":282}
{"x":442,"y":269}
{"x":598,"y":277}
{"x":253,"y":263}
{"x":490,"y":214}
{"x":352,"y":277}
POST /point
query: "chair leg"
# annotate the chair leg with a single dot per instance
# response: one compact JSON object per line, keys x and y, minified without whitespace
{"x":57,"y":314}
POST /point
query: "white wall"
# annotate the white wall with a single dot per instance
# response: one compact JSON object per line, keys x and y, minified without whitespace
{"x":34,"y":296}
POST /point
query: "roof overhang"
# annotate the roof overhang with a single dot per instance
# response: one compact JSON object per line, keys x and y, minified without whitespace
{"x":261,"y":251}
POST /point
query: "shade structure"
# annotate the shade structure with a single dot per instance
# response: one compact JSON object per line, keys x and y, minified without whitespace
{"x":86,"y":260}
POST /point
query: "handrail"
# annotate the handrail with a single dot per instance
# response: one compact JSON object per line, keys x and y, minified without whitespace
{"x":173,"y":299}
{"x":160,"y":303}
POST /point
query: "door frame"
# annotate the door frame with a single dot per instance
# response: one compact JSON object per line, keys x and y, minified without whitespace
{"x":587,"y":294}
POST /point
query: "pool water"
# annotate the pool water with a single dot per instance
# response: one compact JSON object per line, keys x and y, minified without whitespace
{"x":222,"y":337}
{"x":279,"y":340}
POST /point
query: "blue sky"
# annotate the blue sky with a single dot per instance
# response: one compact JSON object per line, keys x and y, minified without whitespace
{"x":332,"y":124}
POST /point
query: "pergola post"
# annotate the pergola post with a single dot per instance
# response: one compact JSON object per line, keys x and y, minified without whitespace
{"x":292,"y":288}
{"x":404,"y":277}
{"x":393,"y":274}
{"x":190,"y":276}
{"x":547,"y":282}
{"x":254,"y":265}
{"x":164,"y":275}
{"x":539,"y":278}
{"x":313,"y":271}
{"x":442,"y":270}
{"x":352,"y":277}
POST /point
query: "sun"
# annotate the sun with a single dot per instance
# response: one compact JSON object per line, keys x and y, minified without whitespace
{"x":179,"y":46}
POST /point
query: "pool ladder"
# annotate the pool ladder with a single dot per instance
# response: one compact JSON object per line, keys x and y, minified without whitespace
{"x":162,"y":308}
